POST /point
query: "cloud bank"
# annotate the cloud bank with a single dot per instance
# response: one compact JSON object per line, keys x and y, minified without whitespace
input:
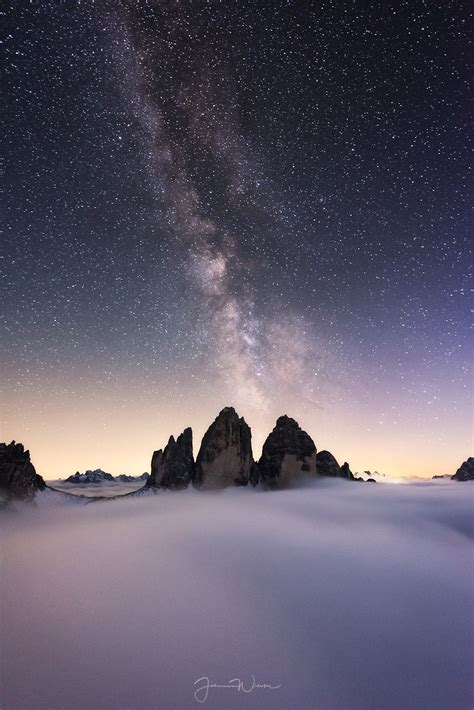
{"x":345,"y":595}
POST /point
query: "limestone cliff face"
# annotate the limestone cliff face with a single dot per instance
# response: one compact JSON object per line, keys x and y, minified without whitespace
{"x":173,"y":467}
{"x":225,"y":457}
{"x":326,"y":465}
{"x":18,"y":477}
{"x":288,"y":455}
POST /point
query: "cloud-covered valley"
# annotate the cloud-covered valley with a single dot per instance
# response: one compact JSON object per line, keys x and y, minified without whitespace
{"x":345,"y":595}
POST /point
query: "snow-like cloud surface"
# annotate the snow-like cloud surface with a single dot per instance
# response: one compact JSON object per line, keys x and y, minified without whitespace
{"x":345,"y":595}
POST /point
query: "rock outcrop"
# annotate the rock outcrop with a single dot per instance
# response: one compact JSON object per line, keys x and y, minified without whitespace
{"x":327,"y":465}
{"x":18,"y":478}
{"x":466,"y":471}
{"x":345,"y":472}
{"x":288,"y":455}
{"x":225,"y":457}
{"x":173,"y":467}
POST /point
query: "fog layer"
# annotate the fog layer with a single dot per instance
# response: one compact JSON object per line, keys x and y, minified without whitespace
{"x":346,"y":595}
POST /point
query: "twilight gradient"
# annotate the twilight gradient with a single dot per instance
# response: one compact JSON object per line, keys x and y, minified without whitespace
{"x":261,"y":205}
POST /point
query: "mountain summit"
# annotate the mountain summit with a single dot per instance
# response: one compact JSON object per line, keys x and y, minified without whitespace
{"x":288,"y":455}
{"x":225,"y":457}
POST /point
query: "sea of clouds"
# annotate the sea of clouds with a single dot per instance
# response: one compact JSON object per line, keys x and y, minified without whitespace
{"x":345,"y":595}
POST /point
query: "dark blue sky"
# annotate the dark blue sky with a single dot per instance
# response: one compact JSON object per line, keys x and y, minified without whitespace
{"x":256,"y":203}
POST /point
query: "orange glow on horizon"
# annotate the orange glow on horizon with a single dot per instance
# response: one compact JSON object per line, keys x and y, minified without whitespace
{"x":119,"y":434}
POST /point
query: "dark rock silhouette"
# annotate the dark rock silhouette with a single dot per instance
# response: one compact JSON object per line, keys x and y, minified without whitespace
{"x":288,"y":455}
{"x":225,"y":457}
{"x":326,"y":464}
{"x":18,"y":477}
{"x":345,"y":472}
{"x":466,"y":471}
{"x":173,"y":467}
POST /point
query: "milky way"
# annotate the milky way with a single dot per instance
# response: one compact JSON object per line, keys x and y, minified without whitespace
{"x":261,"y":204}
{"x":216,"y":199}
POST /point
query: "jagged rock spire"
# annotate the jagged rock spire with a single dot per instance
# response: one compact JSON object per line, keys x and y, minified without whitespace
{"x":288,"y":455}
{"x":225,"y":457}
{"x":18,"y":477}
{"x":465,"y":472}
{"x":173,"y":467}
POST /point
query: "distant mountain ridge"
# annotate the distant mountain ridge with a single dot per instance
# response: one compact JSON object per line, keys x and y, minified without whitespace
{"x":99,"y":476}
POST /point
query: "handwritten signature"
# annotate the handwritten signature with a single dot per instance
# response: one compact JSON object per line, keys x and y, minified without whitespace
{"x":202,"y":692}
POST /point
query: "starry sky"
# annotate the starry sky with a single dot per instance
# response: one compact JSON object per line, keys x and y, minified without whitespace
{"x":261,"y":204}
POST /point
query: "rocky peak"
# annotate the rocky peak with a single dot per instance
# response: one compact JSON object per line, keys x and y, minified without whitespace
{"x":18,"y":478}
{"x":327,"y":465}
{"x":288,"y":454}
{"x":286,"y":422}
{"x":173,"y":467}
{"x":225,"y":457}
{"x":466,"y":471}
{"x":345,"y":472}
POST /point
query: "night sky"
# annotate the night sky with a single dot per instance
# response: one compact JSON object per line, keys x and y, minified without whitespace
{"x":258,"y":204}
